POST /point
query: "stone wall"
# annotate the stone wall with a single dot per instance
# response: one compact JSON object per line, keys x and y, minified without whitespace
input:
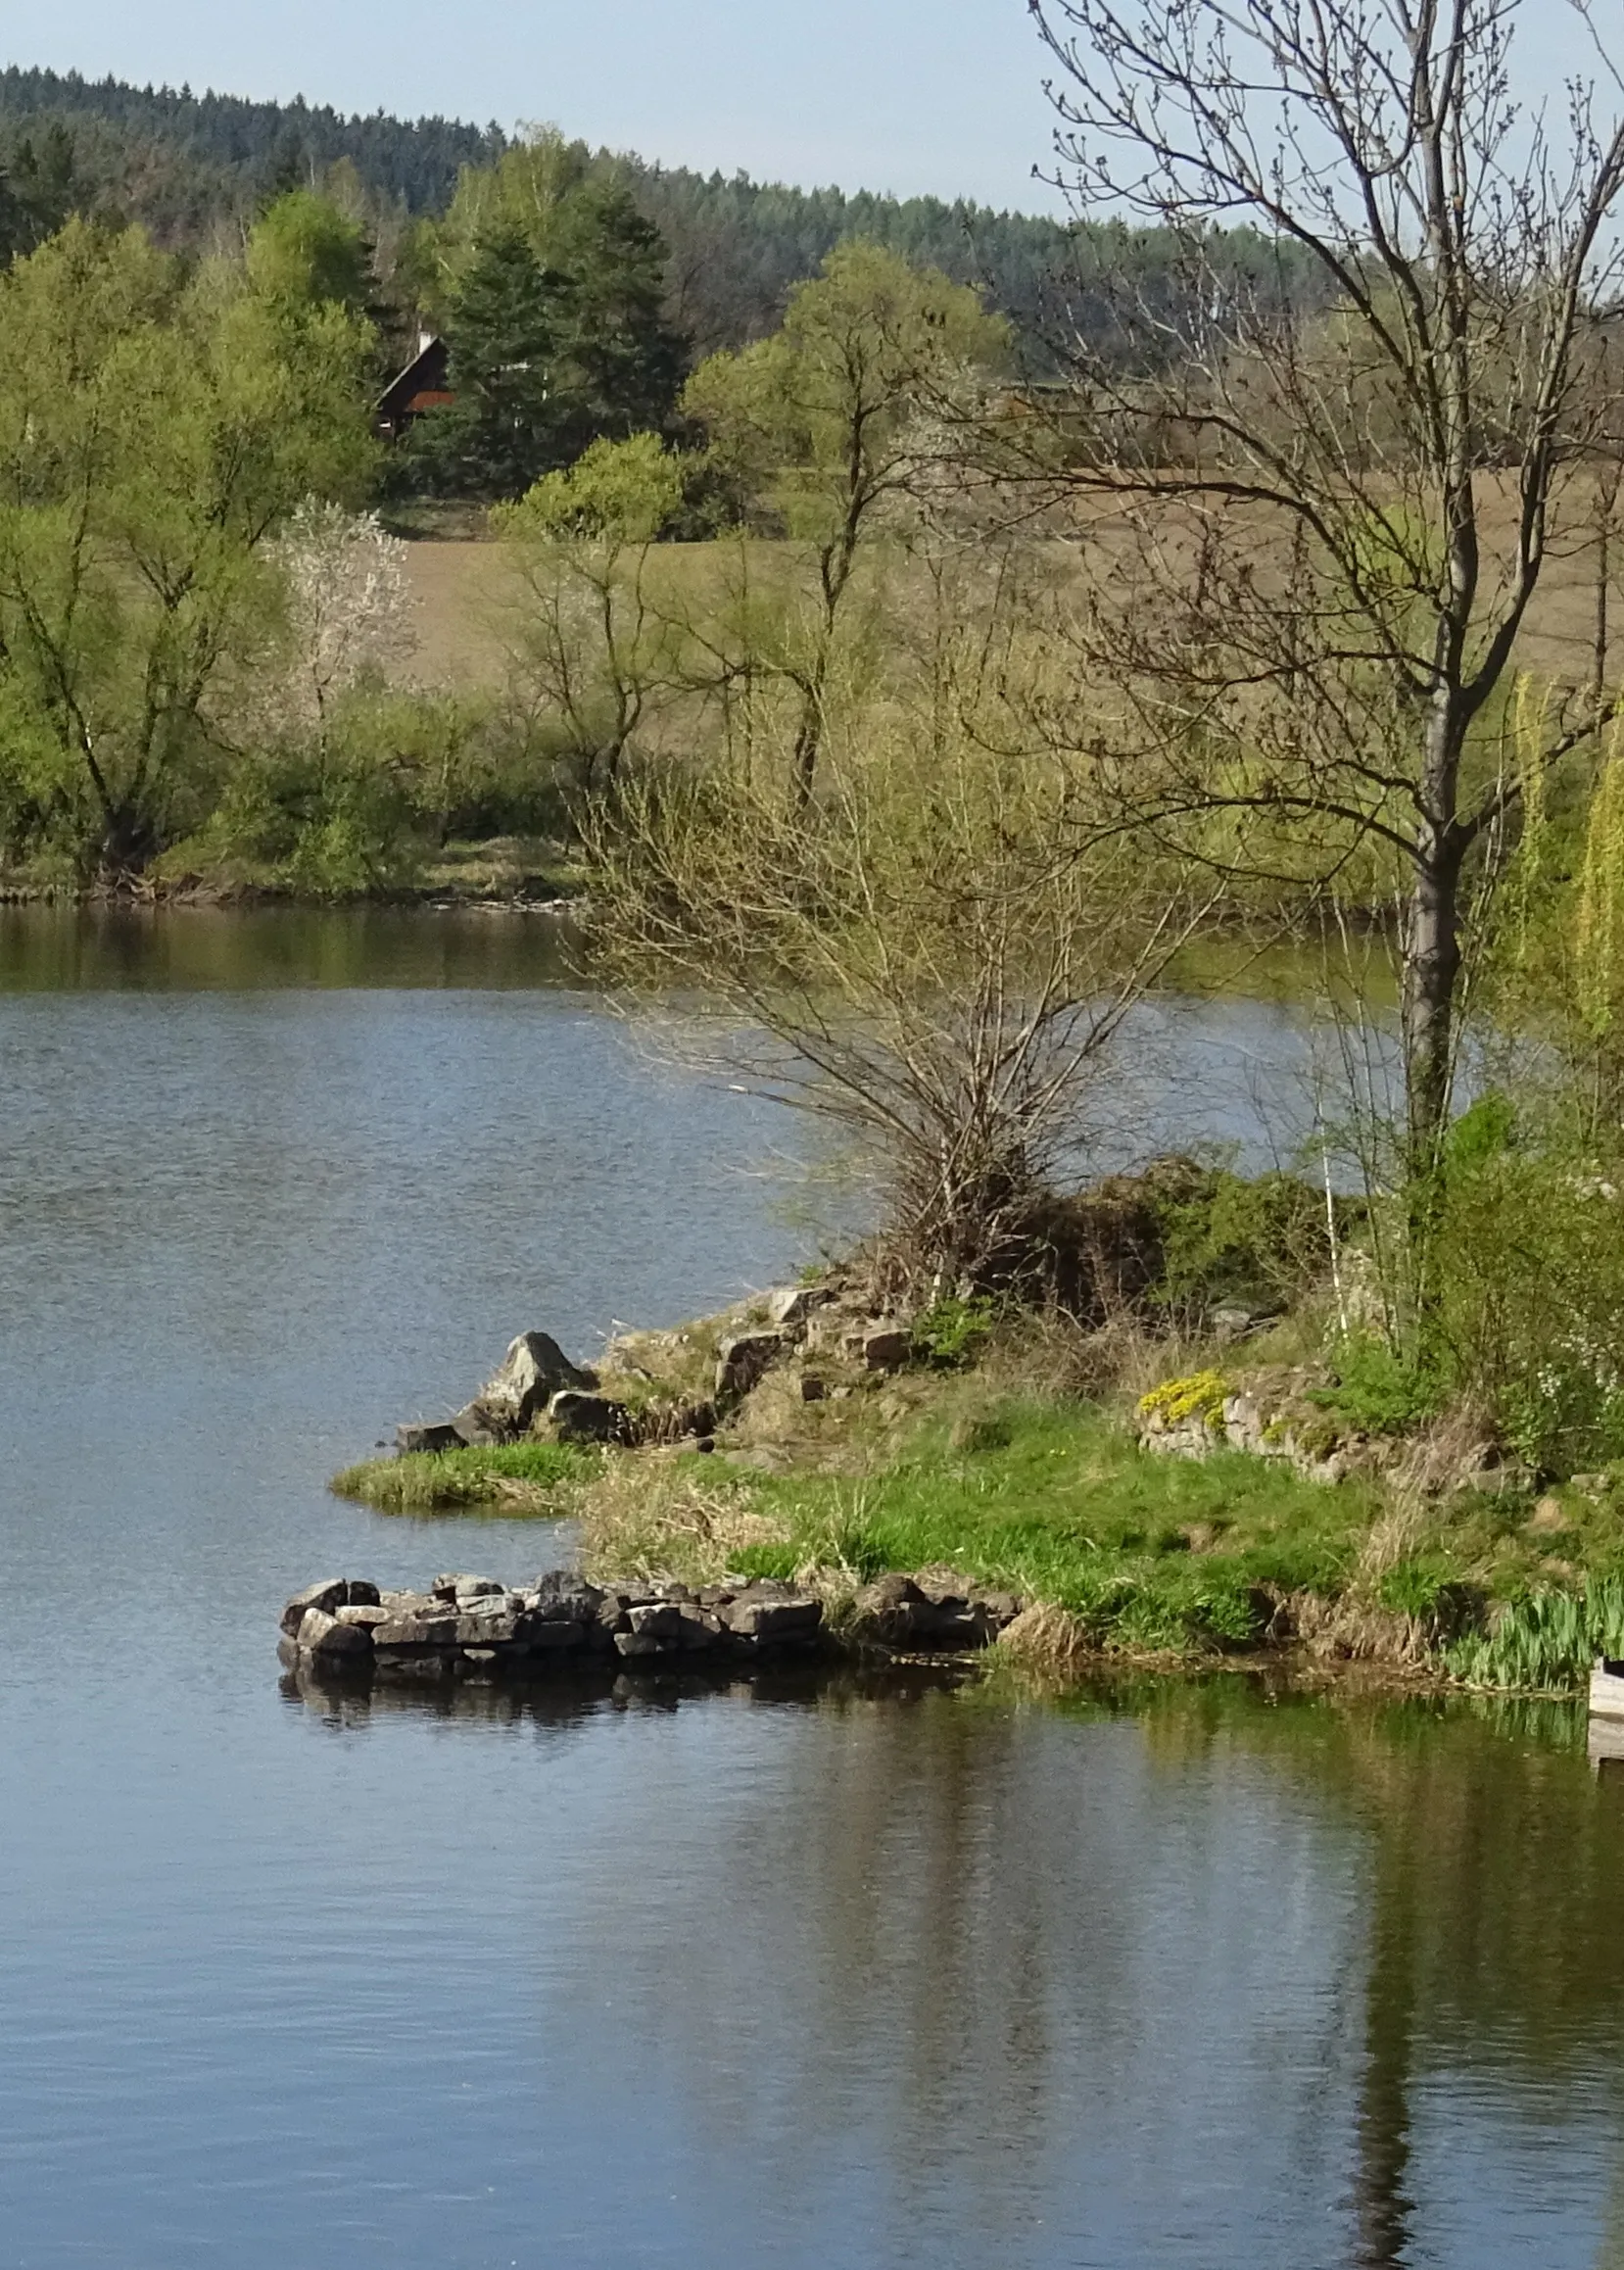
{"x":472,"y":1628}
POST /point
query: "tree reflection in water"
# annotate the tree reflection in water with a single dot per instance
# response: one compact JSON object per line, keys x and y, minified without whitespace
{"x":1191,"y":1972}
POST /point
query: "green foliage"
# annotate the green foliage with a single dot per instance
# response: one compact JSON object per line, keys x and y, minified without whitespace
{"x":1261,"y":1241}
{"x":354,"y":809}
{"x":1056,"y":1502}
{"x":155,"y":427}
{"x":1380,"y":1389}
{"x":40,"y":186}
{"x":952,"y":1332}
{"x":1420,"y":1585}
{"x":181,"y":164}
{"x":776,"y":1560}
{"x":304,"y":252}
{"x":593,"y":658}
{"x":1544,"y":1641}
{"x":820,"y":419}
{"x":1529,"y":1255}
{"x":523,"y":1477}
{"x":623,"y":491}
{"x":555,"y":315}
{"x":508,"y":423}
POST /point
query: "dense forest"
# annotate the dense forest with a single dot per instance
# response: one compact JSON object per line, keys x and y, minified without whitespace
{"x":189,"y":168}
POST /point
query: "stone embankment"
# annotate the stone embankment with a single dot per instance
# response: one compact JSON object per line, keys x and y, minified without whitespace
{"x":472,"y":1628}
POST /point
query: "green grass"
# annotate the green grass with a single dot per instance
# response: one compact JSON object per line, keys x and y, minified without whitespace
{"x":539,"y":1477}
{"x":1056,"y":1502}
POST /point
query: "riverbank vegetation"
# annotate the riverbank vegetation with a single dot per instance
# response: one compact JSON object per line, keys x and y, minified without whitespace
{"x":984,"y":698}
{"x":1021,"y":1452}
{"x":909,"y":690}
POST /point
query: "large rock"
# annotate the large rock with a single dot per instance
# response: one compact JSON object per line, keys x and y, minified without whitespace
{"x":322,"y":1637}
{"x":791,"y":1305}
{"x":532,"y":1373}
{"x":578,"y":1417}
{"x":887,"y":1348}
{"x":937,"y":1612}
{"x":426,"y":1434}
{"x":744,"y":1360}
{"x":772,"y":1615}
{"x":332,"y":1593}
{"x":560,"y":1596}
{"x":416,"y":1633}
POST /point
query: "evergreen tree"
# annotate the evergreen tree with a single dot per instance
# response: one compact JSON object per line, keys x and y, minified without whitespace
{"x":551,"y":349}
{"x":506,"y":427}
{"x":40,"y":187}
{"x":621,"y":361}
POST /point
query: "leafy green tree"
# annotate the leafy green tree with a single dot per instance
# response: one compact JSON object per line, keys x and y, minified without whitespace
{"x":832,"y":424}
{"x":550,"y":286}
{"x":155,"y":429}
{"x":595,"y":659}
{"x":303,"y":251}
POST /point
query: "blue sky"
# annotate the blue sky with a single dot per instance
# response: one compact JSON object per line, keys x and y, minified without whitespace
{"x":910,"y":95}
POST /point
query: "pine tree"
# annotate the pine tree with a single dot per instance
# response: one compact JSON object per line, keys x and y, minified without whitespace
{"x":507,"y":425}
{"x":621,"y":361}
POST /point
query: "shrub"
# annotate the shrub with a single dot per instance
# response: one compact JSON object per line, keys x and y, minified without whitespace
{"x":1260,"y":1242}
{"x":952,"y":1332}
{"x":1201,"y":1395}
{"x":1380,"y":1389}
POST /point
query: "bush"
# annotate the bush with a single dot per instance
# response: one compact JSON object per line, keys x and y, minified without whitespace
{"x":1528,"y":1260}
{"x":1378,"y":1389}
{"x":952,"y":1332}
{"x":1260,"y":1242}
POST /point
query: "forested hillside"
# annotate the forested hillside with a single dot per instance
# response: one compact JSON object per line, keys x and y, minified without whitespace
{"x":184,"y":164}
{"x":231,"y":149}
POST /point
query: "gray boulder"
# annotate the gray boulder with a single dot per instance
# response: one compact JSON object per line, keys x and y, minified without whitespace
{"x":332,"y":1593}
{"x":791,"y":1305}
{"x":532,"y":1371}
{"x":772,"y":1614}
{"x":887,"y":1348}
{"x":322,"y":1637}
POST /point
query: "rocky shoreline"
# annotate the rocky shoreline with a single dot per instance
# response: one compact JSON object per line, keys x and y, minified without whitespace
{"x":467,"y":1628}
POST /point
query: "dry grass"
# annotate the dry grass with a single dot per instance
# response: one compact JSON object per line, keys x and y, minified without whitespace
{"x":647,"y":1516}
{"x":462,"y":586}
{"x":1046,"y":1641}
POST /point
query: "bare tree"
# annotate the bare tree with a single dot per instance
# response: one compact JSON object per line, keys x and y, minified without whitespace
{"x":1324,"y":500}
{"x":924,"y":958}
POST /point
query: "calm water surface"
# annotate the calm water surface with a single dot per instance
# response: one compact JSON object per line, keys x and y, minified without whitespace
{"x":808,"y":1976}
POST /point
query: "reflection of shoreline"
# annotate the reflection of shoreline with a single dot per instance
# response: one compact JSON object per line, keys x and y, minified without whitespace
{"x":563,"y":1700}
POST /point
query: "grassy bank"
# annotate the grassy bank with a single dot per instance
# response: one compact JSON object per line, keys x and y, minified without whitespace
{"x":543,"y":1478}
{"x":1047,"y":1492}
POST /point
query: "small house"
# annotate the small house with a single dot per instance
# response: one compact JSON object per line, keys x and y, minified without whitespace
{"x":421,"y":386}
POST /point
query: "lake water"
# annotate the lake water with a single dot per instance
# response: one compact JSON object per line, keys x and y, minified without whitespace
{"x":831,"y":1977}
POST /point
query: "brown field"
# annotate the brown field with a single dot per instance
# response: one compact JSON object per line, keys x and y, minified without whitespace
{"x":462,"y":586}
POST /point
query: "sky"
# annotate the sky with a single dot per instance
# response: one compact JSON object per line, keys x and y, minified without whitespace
{"x":914,"y":96}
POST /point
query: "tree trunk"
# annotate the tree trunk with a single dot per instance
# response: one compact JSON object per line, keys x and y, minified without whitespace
{"x":1431,"y":976}
{"x":808,"y":734}
{"x":129,"y":842}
